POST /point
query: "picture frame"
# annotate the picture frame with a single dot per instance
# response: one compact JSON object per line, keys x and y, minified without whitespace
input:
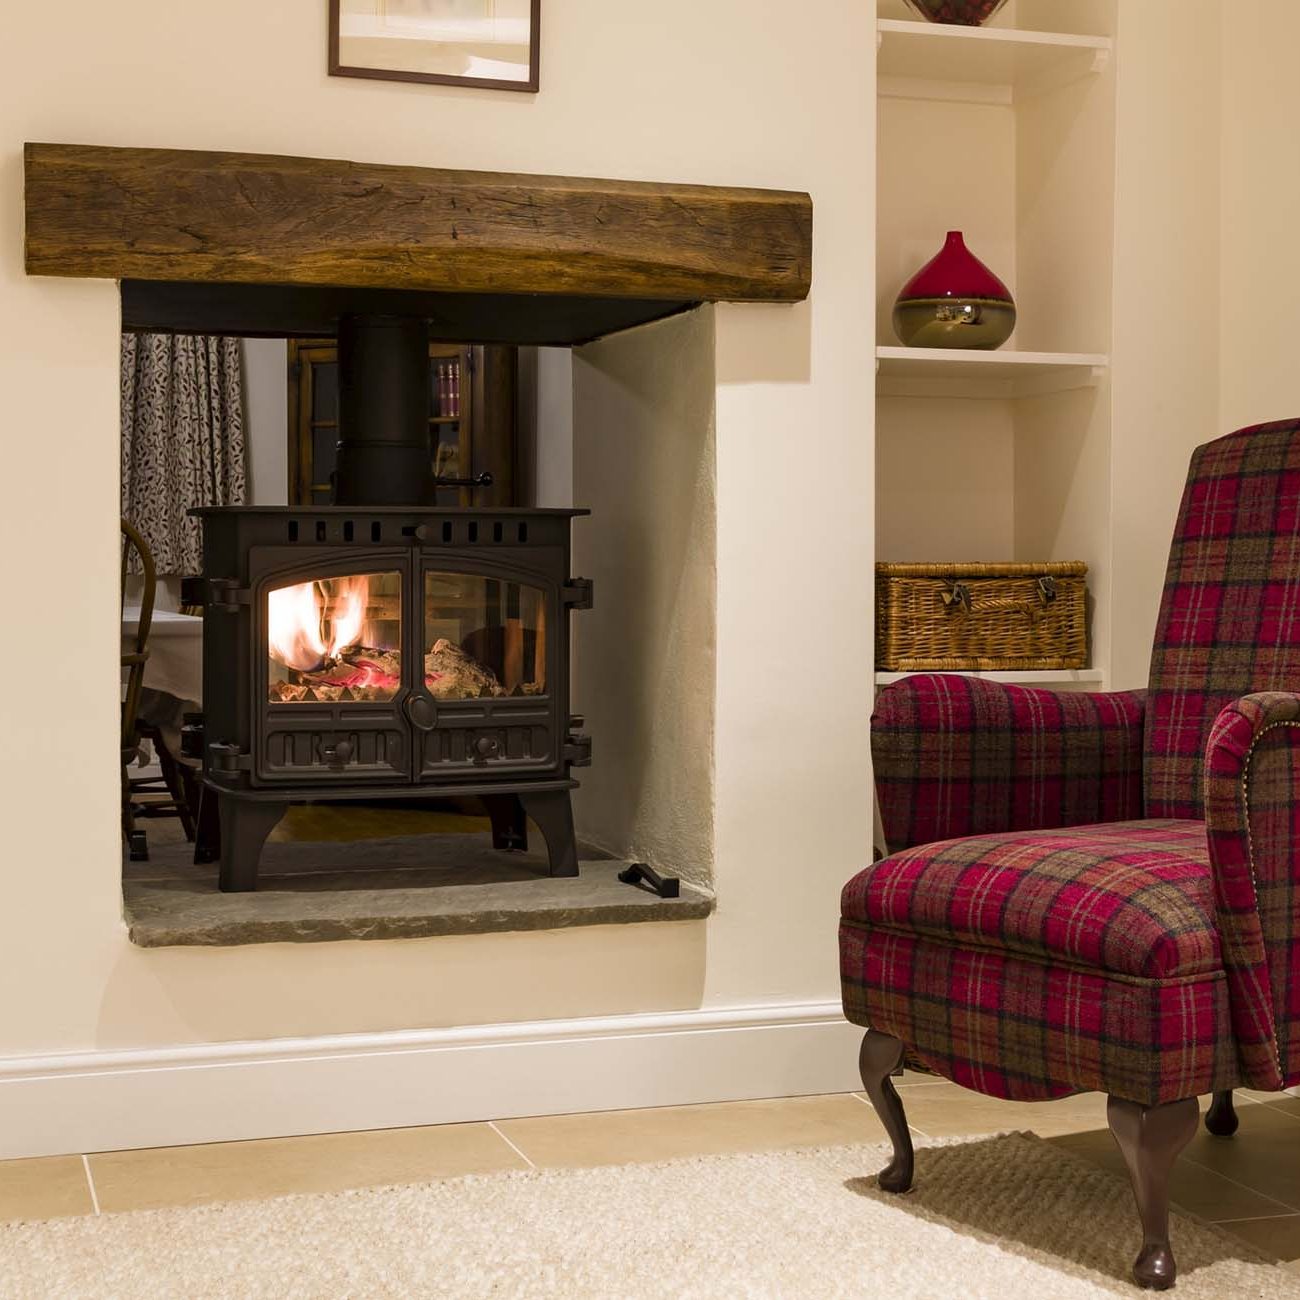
{"x":489,"y":44}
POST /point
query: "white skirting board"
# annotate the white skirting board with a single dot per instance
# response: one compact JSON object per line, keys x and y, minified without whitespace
{"x":224,"y":1092}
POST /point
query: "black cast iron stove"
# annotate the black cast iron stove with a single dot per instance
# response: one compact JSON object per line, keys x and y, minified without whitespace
{"x":380,"y":648}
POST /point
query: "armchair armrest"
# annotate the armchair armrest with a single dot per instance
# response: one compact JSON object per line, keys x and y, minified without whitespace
{"x":963,"y":756}
{"x":1252,"y":815}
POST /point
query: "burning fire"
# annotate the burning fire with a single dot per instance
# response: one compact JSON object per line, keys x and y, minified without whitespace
{"x":310,"y":625}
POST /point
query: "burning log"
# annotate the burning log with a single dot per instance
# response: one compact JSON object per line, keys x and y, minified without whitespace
{"x":451,"y":674}
{"x":358,"y":673}
{"x":366,"y":675}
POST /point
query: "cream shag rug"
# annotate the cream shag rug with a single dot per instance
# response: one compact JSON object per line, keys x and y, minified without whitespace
{"x":1001,"y":1218}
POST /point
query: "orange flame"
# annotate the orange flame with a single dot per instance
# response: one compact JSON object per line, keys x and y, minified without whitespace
{"x":299,"y":633}
{"x":348,"y":615}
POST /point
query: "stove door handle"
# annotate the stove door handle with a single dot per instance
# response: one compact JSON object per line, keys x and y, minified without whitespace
{"x":421,"y":712}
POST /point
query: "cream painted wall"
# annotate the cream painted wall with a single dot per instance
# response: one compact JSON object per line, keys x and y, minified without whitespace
{"x":266,"y":420}
{"x":644,"y":657}
{"x":1166,"y":363}
{"x":1260,"y":213}
{"x":553,"y":441}
{"x":708,"y":97}
{"x":946,"y":470}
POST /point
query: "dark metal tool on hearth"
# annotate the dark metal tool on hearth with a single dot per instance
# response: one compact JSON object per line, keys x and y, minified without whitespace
{"x":640,"y":874}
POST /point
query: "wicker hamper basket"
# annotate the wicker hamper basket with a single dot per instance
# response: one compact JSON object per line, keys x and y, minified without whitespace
{"x":980,"y":616}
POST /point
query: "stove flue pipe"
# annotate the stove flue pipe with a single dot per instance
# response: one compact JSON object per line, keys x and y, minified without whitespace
{"x":384,"y":456}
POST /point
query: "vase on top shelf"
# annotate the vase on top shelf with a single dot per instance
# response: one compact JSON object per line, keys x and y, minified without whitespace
{"x":966,"y":13}
{"x":954,"y":301}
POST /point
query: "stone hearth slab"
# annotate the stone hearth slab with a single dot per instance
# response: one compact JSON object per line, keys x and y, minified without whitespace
{"x":406,"y":887}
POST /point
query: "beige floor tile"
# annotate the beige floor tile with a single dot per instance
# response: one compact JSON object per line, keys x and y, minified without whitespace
{"x":44,"y":1189}
{"x":232,"y":1171}
{"x":1279,"y":1237}
{"x":672,"y":1132}
{"x":1280,"y":1101}
{"x":1194,"y":1188}
{"x":947,"y":1110}
{"x":1264,"y":1155}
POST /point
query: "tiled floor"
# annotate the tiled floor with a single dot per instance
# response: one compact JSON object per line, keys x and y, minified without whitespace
{"x":1249,"y":1184}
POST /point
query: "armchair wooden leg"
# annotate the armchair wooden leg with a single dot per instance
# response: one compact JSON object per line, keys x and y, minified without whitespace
{"x":1221,"y":1118}
{"x":1150,"y":1138}
{"x":881,"y":1054}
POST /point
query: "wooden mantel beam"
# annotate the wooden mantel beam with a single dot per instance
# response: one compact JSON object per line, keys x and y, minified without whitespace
{"x":232,"y":218}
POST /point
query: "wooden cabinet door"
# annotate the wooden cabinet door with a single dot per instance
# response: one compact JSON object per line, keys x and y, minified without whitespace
{"x":472,"y":427}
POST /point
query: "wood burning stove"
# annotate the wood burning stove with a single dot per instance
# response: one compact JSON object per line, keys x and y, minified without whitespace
{"x":389,"y":652}
{"x":379,"y":648}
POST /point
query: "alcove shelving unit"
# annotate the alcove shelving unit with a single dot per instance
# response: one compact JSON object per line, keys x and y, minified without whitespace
{"x":1003,"y":62}
{"x":963,"y":372}
{"x":1005,"y":132}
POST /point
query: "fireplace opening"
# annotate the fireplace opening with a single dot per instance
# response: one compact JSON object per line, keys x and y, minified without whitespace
{"x":384,"y":645}
{"x":386,"y":712}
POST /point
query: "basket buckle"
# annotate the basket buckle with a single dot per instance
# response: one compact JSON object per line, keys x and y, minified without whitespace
{"x":958,"y":595}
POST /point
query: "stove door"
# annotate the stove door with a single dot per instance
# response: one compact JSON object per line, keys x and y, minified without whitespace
{"x":330,"y":692}
{"x":492,"y":661}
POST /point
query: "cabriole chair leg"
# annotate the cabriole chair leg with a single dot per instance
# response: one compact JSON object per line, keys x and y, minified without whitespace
{"x":881,"y":1054}
{"x":1150,"y":1138}
{"x":1221,"y":1118}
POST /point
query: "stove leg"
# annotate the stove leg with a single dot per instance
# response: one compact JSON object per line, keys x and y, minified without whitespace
{"x":509,"y":824}
{"x":245,"y":824}
{"x":553,"y":813}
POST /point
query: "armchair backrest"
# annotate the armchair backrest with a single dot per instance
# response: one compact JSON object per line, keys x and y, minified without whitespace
{"x":1230,"y":617}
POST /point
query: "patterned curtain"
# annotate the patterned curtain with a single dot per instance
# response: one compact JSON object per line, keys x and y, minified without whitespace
{"x":182,"y":439}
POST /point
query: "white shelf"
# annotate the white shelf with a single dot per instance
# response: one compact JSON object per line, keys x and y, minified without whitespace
{"x":1027,"y":677}
{"x":965,"y":372}
{"x":987,"y":64}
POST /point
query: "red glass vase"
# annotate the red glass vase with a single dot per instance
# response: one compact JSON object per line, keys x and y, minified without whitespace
{"x":954,"y":301}
{"x":967,"y":13}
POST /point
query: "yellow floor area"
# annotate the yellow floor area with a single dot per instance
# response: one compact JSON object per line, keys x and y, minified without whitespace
{"x":1249,"y":1184}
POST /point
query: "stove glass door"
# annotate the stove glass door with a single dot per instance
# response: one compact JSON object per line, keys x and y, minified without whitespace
{"x":484,"y":638}
{"x":335,"y":640}
{"x":488,"y":644}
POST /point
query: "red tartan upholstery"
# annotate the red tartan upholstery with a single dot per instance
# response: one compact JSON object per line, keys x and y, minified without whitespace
{"x":1133,"y":898}
{"x":1253,"y":819}
{"x":1029,"y":1030}
{"x":1230,"y":619}
{"x":960,"y":756}
{"x":1024,"y":952}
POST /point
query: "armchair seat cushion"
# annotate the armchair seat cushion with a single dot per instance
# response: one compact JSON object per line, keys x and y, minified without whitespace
{"x":1131,"y":899}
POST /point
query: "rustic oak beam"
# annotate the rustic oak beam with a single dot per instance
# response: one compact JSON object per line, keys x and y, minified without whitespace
{"x":181,"y":215}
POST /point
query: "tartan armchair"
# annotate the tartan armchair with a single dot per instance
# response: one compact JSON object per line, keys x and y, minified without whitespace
{"x":1100,"y":891}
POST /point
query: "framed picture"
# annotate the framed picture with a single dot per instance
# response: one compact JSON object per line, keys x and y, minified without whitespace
{"x":488,"y":43}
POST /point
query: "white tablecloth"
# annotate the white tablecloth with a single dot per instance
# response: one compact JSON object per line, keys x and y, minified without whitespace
{"x":175,"y":664}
